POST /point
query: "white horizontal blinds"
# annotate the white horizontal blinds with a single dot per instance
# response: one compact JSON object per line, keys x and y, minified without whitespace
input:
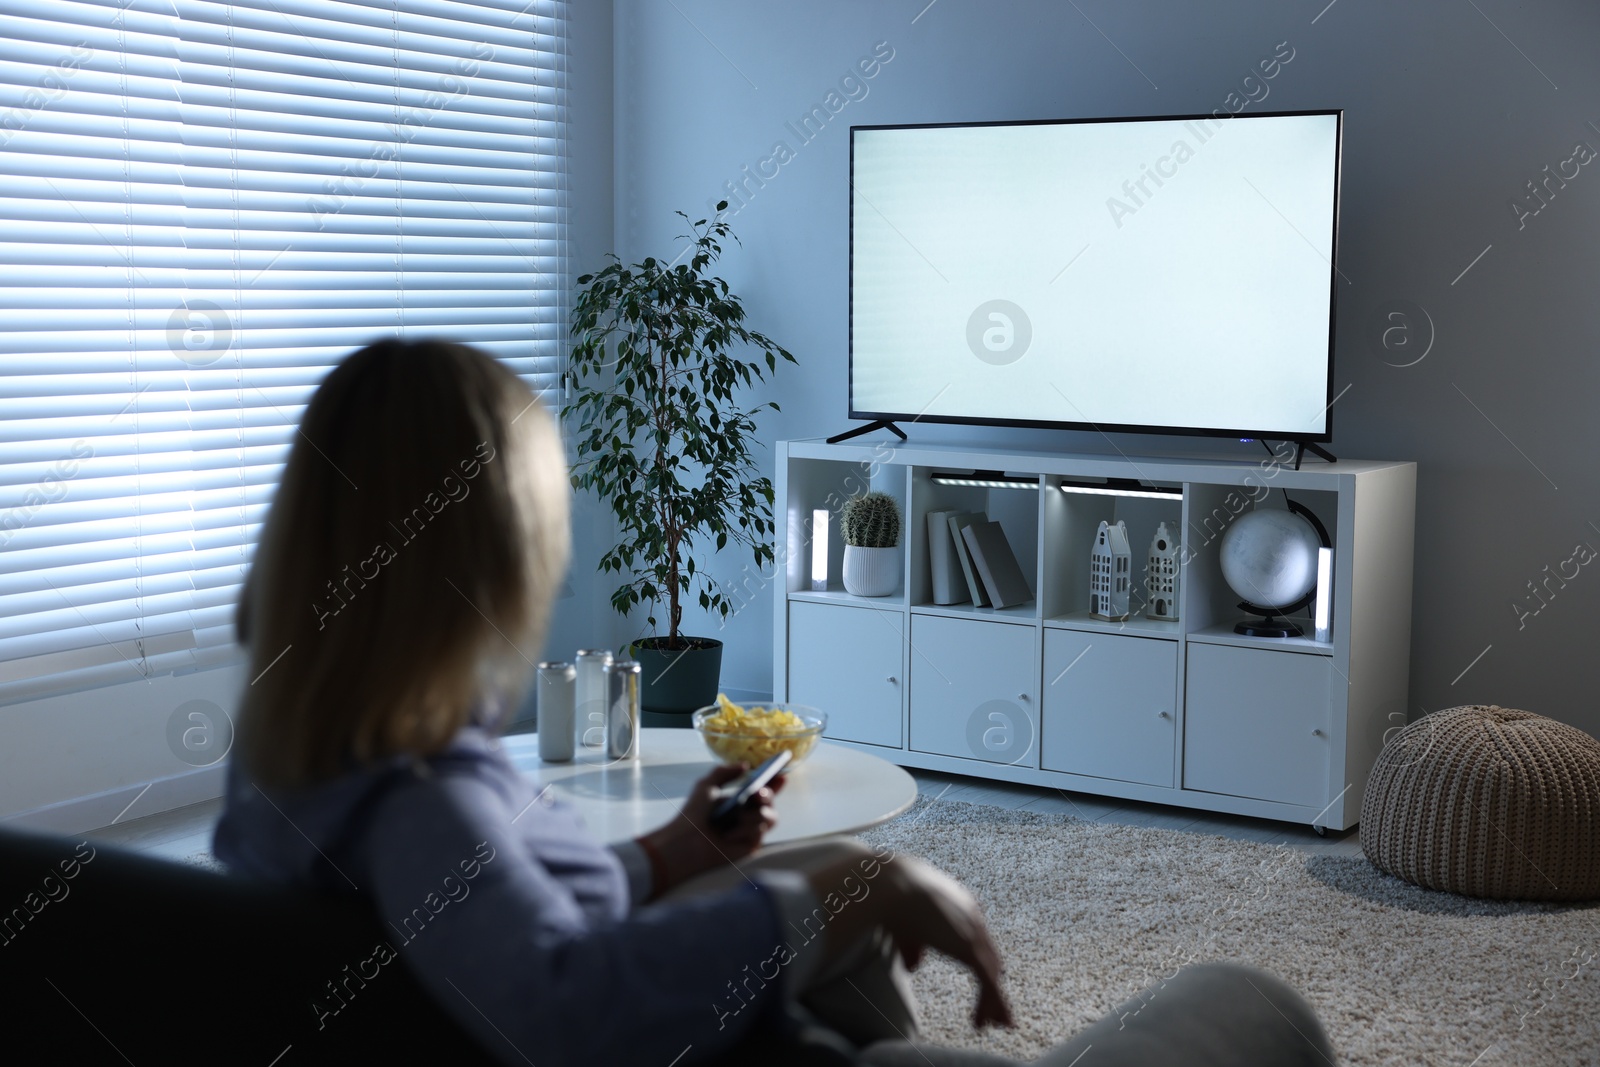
{"x":356,"y":168}
{"x":97,"y":534}
{"x":203,"y":207}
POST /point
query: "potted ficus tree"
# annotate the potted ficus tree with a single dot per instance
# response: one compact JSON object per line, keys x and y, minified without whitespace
{"x":664,"y":440}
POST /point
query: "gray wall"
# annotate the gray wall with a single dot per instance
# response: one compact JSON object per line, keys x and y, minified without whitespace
{"x":1447,"y":118}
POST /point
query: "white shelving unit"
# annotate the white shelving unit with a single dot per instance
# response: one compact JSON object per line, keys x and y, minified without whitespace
{"x":1187,"y":712}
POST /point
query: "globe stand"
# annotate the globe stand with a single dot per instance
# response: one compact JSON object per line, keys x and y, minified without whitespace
{"x":1272,"y":623}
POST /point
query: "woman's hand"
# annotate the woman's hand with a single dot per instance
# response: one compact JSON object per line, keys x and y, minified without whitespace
{"x":935,"y":911}
{"x":689,"y":844}
{"x":921,"y":908}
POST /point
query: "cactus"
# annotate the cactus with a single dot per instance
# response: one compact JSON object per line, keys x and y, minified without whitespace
{"x":871,"y":520}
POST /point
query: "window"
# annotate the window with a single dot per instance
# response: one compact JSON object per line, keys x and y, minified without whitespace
{"x":203,"y":206}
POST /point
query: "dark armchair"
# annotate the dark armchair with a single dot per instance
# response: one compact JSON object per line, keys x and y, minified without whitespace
{"x":108,"y":956}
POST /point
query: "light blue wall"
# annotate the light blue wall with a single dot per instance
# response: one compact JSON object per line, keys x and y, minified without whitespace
{"x":1448,"y":115}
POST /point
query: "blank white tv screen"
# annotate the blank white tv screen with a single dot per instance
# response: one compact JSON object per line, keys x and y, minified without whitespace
{"x":1166,"y":275}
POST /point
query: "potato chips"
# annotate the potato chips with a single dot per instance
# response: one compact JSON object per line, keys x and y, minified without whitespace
{"x":756,"y":733}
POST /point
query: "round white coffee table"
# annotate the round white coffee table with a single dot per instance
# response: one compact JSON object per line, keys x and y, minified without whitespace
{"x":836,"y":790}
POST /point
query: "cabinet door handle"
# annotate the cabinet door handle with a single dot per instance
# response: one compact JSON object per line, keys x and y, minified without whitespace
{"x":1316,"y":732}
{"x":893,"y":680}
{"x":1022,"y":697}
{"x":1163,"y":715}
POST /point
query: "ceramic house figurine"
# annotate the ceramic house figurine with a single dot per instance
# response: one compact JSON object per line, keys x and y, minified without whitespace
{"x":1161,"y":576}
{"x":1109,"y":573}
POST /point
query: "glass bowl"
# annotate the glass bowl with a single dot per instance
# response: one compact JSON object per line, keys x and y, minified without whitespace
{"x":753,"y":744}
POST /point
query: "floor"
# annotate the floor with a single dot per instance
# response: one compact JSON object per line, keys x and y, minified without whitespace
{"x":1112,"y":811}
{"x":183,"y":832}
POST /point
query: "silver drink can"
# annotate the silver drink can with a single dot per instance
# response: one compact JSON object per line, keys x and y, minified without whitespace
{"x":591,"y":696}
{"x":622,"y":709}
{"x":557,"y":685}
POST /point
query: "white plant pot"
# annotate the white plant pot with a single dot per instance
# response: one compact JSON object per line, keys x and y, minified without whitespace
{"x":871,"y":571}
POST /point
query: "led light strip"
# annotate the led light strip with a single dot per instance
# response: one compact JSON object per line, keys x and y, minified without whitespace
{"x":1101,"y":490}
{"x":1324,"y":609}
{"x":819,"y":550}
{"x":982,"y":481}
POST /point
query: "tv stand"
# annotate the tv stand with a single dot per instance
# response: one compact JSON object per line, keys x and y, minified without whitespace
{"x":878,"y":424}
{"x":1181,"y":711}
{"x":1315,"y":449}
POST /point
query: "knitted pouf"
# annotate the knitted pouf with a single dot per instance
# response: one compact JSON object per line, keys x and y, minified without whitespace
{"x":1488,"y":802}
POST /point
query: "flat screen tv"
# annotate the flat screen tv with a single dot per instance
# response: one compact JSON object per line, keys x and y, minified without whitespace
{"x":1147,"y":275}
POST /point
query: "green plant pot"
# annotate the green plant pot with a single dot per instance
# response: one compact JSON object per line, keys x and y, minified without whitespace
{"x":676,"y":682}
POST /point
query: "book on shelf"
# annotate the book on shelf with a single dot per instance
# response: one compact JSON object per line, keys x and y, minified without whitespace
{"x":949,"y":583}
{"x":997,"y":564}
{"x":958,"y":523}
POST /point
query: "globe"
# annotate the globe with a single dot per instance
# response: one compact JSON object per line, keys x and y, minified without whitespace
{"x":1269,"y":557}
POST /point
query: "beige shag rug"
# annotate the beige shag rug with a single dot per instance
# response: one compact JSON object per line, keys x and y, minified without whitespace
{"x":1086,"y":915}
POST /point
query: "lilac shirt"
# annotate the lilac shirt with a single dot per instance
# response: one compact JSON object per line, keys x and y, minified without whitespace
{"x":521,"y":926}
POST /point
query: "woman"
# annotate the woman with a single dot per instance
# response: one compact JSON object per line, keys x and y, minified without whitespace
{"x":399,"y":594}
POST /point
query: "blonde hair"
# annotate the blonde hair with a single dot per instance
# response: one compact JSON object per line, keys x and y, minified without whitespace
{"x":407,"y":565}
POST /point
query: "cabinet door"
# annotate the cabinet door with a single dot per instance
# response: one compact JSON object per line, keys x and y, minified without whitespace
{"x":1108,"y":707}
{"x":974,"y":689}
{"x":846,"y":662}
{"x":1255,"y":724}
